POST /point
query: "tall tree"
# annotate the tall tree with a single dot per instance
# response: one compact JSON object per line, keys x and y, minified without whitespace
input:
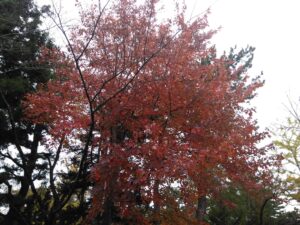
{"x":20,"y":42}
{"x":289,"y":142}
{"x":160,"y":119}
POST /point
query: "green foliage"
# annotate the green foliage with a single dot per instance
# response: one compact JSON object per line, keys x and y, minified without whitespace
{"x":21,"y":41}
{"x":237,"y":207}
{"x":289,"y":142}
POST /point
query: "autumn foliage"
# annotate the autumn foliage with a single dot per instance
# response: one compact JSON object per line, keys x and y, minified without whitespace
{"x":161,"y":120}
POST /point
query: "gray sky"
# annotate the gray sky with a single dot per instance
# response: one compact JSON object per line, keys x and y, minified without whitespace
{"x":272,"y":26}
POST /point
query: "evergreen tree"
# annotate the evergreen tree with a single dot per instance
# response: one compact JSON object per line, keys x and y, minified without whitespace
{"x":21,"y":40}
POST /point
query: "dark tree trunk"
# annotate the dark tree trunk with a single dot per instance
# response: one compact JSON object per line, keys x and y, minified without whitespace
{"x":261,"y":213}
{"x":156,"y":203}
{"x":201,"y":209}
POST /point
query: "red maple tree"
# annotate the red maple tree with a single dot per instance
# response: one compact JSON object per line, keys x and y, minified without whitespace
{"x":161,"y":120}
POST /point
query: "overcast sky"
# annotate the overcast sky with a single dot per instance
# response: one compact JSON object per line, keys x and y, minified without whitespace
{"x":272,"y":27}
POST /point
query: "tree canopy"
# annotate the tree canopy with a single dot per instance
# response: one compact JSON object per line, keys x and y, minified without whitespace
{"x":154,"y":117}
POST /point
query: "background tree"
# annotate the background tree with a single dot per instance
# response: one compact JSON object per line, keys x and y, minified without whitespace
{"x":21,"y":40}
{"x":237,"y":207}
{"x":148,"y":105}
{"x":289,"y":142}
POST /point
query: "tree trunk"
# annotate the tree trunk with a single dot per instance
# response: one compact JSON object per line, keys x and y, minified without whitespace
{"x":201,"y":209}
{"x":261,"y":213}
{"x":156,"y":204}
{"x":107,"y":215}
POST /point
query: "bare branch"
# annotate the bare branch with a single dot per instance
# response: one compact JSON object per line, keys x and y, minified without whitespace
{"x":60,"y":26}
{"x":101,"y":11}
{"x":12,"y":122}
{"x":51,"y":172}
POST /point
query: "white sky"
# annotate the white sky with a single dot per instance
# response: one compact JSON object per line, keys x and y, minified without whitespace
{"x":272,"y":27}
